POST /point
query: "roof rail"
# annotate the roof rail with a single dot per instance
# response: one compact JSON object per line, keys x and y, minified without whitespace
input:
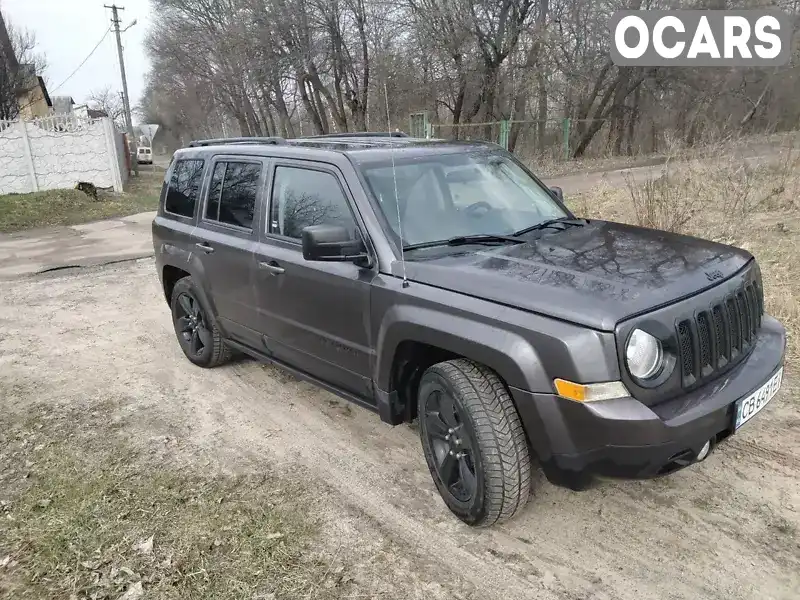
{"x":358,"y":134}
{"x":237,"y":140}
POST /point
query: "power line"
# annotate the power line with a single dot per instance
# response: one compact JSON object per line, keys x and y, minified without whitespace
{"x":23,"y":107}
{"x":78,"y":68}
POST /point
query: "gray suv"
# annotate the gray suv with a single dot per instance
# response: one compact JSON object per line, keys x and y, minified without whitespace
{"x":442,"y":281}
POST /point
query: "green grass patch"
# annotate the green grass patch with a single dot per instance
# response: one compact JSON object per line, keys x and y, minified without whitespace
{"x":71,"y":207}
{"x":85,"y":515}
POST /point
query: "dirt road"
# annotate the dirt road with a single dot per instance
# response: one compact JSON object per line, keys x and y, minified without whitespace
{"x":727,"y":528}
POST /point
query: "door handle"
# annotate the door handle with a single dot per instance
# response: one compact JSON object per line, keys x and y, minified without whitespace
{"x":272,"y":267}
{"x":205,"y":247}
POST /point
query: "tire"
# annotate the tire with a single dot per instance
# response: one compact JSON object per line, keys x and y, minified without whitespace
{"x":212,"y":350}
{"x":496,"y":466}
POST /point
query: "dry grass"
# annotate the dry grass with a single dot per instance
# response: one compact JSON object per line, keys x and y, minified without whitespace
{"x":749,"y":203}
{"x":85,"y":515}
{"x":71,"y":207}
{"x":552,"y":164}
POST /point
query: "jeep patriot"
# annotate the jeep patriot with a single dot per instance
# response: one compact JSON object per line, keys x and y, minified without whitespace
{"x":444,"y":282}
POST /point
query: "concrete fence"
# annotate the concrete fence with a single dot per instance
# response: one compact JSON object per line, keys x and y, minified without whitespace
{"x":58,"y":152}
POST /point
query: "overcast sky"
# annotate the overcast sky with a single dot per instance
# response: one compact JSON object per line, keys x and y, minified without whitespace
{"x":67,"y":30}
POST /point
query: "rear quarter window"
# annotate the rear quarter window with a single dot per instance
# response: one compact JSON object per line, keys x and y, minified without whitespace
{"x":183,"y":188}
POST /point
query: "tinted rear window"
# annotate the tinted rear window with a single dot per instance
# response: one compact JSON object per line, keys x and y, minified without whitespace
{"x":184,"y":187}
{"x":232,"y":194}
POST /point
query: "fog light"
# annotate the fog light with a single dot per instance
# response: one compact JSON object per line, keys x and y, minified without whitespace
{"x":704,"y":451}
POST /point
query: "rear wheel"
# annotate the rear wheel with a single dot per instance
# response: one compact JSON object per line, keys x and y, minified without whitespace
{"x":473,"y":442}
{"x":198,"y":335}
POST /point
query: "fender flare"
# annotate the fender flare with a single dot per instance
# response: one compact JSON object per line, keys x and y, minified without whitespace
{"x":189,"y":262}
{"x":513,"y":358}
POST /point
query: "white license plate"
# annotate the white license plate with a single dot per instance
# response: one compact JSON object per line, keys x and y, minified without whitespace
{"x":747,"y":408}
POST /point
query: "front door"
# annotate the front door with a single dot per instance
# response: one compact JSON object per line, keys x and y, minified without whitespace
{"x":224,"y":241}
{"x":314,"y":315}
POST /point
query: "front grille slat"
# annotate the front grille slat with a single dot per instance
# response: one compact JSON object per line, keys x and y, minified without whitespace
{"x":704,"y":342}
{"x":735,"y":329}
{"x":721,"y":336}
{"x":713,"y":339}
{"x":752,"y":306}
{"x":744,"y":319}
{"x":687,"y":351}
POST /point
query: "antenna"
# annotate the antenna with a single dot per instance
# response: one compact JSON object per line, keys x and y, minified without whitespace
{"x":396,"y":197}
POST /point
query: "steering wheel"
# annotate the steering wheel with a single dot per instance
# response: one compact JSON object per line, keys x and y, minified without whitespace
{"x":478,"y":209}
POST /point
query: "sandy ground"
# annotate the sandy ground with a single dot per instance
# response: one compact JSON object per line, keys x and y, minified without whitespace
{"x":726,"y":528}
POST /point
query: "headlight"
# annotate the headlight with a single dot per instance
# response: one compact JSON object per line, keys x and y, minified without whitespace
{"x":644,"y":355}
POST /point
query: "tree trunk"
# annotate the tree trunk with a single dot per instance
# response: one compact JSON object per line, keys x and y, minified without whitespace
{"x":320,"y":89}
{"x":618,"y":111}
{"x":633,"y":119}
{"x":287,"y":130}
{"x":255,"y":126}
{"x":273,"y":130}
{"x":244,"y":128}
{"x":541,"y":126}
{"x":603,"y":110}
{"x":541,"y":116}
{"x":489,"y":100}
{"x":311,"y":110}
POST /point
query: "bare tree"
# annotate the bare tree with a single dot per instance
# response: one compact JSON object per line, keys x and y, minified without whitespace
{"x":19,"y":67}
{"x":108,"y":101}
{"x":293,"y":67}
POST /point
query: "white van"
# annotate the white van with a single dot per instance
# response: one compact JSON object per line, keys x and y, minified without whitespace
{"x":145,"y":156}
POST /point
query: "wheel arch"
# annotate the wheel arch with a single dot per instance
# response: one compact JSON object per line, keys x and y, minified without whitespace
{"x":170,"y":275}
{"x":413,"y":339}
{"x":173,"y":271}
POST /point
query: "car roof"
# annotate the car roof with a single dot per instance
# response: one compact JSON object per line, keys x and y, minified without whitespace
{"x":360,"y":148}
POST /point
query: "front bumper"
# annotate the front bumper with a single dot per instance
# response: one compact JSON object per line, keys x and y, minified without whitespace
{"x":625,"y":438}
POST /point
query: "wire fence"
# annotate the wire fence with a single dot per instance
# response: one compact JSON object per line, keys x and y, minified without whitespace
{"x":556,"y":139}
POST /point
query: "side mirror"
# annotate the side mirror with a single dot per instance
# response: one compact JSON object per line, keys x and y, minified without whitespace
{"x":559,"y":193}
{"x":331,"y":243}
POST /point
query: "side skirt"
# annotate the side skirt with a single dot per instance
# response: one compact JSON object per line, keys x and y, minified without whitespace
{"x":261,"y":357}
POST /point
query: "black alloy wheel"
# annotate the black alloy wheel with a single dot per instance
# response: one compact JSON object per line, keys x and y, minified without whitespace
{"x":190,"y":323}
{"x":473,"y":441}
{"x":198,"y":335}
{"x":452,"y":446}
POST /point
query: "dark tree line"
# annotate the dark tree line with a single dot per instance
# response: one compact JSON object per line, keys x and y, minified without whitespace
{"x":297,"y":67}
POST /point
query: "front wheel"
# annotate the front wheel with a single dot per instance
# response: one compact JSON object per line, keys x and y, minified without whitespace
{"x":473,"y":442}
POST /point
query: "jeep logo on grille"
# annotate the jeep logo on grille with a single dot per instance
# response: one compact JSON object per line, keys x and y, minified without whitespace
{"x":713,"y":275}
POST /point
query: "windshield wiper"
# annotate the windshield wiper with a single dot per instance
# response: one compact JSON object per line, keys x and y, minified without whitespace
{"x":462,"y":240}
{"x":551,"y":224}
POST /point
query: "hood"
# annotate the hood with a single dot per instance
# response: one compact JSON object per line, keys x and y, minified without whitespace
{"x":596,"y":275}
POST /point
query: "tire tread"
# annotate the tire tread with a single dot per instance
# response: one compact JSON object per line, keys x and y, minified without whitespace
{"x":500,"y":437}
{"x":221,"y":352}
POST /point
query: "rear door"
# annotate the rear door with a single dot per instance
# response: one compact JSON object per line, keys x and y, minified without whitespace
{"x":173,"y":226}
{"x":225,"y":239}
{"x":314,"y":315}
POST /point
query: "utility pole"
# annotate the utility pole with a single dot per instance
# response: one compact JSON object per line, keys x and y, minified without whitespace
{"x":125,"y":99}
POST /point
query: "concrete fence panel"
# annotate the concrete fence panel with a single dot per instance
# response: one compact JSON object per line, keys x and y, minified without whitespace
{"x":58,"y":152}
{"x":15,"y":173}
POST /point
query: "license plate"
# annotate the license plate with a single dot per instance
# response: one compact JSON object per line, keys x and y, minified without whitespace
{"x":747,"y":408}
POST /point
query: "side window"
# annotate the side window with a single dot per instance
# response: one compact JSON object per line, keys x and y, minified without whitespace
{"x":184,"y":187}
{"x":303,"y":197}
{"x":232,"y":193}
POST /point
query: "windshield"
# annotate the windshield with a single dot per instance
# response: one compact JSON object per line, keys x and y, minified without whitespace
{"x":444,"y":196}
